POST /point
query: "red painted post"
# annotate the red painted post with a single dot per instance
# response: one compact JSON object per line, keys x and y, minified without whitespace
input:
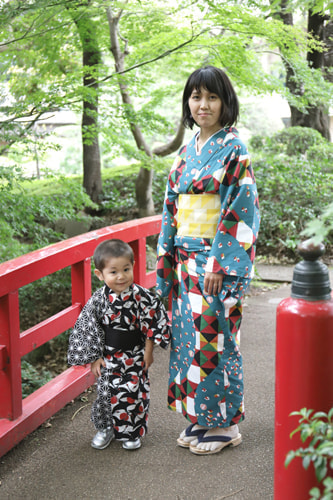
{"x":304,"y":369}
{"x":10,"y":375}
{"x":81,"y":281}
{"x":139,"y":249}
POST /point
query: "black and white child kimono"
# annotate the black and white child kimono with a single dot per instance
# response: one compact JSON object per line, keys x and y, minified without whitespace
{"x":115,"y":327}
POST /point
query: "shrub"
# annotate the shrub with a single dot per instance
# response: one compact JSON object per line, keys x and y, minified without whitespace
{"x":119,"y":187}
{"x":293,"y":141}
{"x":292,"y":189}
{"x":28,"y":215}
{"x":318,"y":428}
{"x":321,"y":228}
{"x":32,"y":379}
{"x":322,"y":155}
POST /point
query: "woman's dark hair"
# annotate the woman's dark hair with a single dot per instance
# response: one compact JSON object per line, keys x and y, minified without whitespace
{"x":109,"y":249}
{"x":216,"y":81}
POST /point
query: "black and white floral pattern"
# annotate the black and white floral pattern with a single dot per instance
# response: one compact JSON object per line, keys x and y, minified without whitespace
{"x":123,"y":388}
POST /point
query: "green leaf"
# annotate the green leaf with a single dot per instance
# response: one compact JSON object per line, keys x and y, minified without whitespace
{"x":306,"y":461}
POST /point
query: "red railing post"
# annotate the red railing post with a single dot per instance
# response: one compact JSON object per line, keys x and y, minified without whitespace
{"x":139,"y":249}
{"x":10,"y":373}
{"x":81,"y":281}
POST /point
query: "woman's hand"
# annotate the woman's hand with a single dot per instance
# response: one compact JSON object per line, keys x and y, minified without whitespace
{"x":213,"y":283}
{"x":96,"y":366}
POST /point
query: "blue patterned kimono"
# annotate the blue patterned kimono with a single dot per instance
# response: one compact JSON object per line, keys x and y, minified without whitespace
{"x":206,"y":377}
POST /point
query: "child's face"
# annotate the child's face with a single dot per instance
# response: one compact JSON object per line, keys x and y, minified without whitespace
{"x":117,"y":274}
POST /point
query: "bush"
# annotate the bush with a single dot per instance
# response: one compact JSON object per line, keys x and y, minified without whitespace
{"x":293,"y":141}
{"x":32,"y":379}
{"x":292,"y":189}
{"x":119,"y":187}
{"x":28,"y":215}
{"x":322,"y":155}
{"x":318,"y":428}
{"x":321,"y":228}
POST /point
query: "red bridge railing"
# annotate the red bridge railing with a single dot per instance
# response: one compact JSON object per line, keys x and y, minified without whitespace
{"x":20,"y":417}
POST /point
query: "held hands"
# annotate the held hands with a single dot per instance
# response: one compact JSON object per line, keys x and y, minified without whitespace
{"x":95,"y":367}
{"x":213,"y":283}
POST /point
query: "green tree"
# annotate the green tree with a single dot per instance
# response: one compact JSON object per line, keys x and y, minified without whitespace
{"x":123,"y":66}
{"x":318,"y":59}
{"x":91,"y":61}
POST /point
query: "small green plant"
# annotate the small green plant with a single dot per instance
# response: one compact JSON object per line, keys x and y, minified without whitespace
{"x":32,"y":379}
{"x":316,"y":430}
{"x":322,"y":227}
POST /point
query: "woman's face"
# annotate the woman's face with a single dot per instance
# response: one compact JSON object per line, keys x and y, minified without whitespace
{"x":205,"y":107}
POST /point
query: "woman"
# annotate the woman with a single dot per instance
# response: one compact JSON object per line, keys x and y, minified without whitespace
{"x":206,"y":251}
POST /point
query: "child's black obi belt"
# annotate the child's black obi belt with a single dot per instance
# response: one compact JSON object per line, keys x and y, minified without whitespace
{"x":123,"y":340}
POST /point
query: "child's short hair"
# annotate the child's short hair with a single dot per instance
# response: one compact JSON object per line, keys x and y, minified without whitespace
{"x":216,"y":81}
{"x":111,"y":248}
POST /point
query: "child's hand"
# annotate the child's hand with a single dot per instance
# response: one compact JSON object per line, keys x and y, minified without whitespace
{"x":96,"y":366}
{"x":148,"y":360}
{"x":148,"y":355}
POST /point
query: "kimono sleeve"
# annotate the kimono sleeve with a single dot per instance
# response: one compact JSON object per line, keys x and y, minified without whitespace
{"x":86,"y":341}
{"x":165,"y":245}
{"x":233,"y":248}
{"x":154,"y":321}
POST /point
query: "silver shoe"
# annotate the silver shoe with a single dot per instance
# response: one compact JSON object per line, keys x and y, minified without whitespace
{"x":132,"y":445}
{"x":102,"y":439}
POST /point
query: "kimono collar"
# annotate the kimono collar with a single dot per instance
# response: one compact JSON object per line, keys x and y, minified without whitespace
{"x":112,"y":296}
{"x":215,"y":143}
{"x":217,"y":138}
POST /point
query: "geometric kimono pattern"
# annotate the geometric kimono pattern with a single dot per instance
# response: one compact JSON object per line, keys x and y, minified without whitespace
{"x":205,"y":372}
{"x":206,"y":377}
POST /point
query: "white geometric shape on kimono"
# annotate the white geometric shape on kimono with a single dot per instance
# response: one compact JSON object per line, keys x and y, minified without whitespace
{"x":220,"y":342}
{"x":193,"y":374}
{"x":228,"y":303}
{"x":196,"y":302}
{"x":223,"y":409}
{"x":226,"y":380}
{"x":219,"y":174}
{"x":244,"y":235}
{"x":190,"y":409}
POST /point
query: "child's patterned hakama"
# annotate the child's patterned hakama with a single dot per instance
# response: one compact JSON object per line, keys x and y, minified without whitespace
{"x":123,"y":388}
{"x":210,"y":223}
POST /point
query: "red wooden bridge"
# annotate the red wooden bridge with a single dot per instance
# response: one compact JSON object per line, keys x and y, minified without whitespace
{"x":20,"y":417}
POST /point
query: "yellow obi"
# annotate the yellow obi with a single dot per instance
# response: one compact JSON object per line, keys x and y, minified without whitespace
{"x":198,"y":215}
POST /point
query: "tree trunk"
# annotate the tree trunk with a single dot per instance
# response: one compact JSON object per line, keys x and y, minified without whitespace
{"x":143,"y":184}
{"x":92,"y":177}
{"x":316,"y":117}
{"x":173,"y":145}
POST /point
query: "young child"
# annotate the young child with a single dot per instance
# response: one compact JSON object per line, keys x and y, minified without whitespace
{"x":115,"y":332}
